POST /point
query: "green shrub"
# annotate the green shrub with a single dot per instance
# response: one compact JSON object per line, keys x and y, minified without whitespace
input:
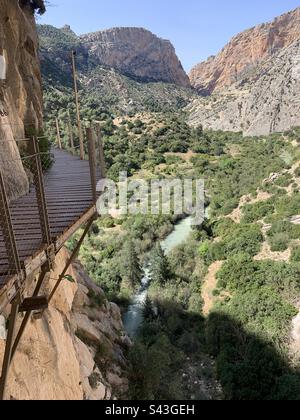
{"x":107,"y":222}
{"x":288,"y":206}
{"x":284,"y":180}
{"x":254,"y":212}
{"x":244,"y":238}
{"x":295,"y":256}
{"x":281,"y":234}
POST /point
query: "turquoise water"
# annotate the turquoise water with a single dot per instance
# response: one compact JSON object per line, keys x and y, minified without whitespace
{"x":134,"y":316}
{"x":179,"y":235}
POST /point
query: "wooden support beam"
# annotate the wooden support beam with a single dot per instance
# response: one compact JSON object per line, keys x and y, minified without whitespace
{"x":71,"y":259}
{"x":91,"y":213}
{"x":92,"y":160}
{"x":8,"y":347}
{"x":43,"y":274}
{"x":58,"y":137}
{"x":79,"y":126}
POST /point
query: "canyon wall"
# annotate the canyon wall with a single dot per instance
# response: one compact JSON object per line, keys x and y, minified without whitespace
{"x":137,"y":53}
{"x":253,"y":85}
{"x":245,"y":52}
{"x":20,"y":89}
{"x":77,"y":350}
{"x":267,"y":101}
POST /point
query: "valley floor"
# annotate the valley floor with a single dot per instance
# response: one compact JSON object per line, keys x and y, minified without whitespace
{"x":224,"y":305}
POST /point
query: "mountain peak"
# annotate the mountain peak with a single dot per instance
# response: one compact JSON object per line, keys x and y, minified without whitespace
{"x":138,"y":53}
{"x":245,"y":51}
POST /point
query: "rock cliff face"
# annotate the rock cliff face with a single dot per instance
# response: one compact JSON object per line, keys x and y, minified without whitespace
{"x":133,"y":52}
{"x":266,"y":101}
{"x":20,"y":88}
{"x":253,"y":84}
{"x":245,"y":52}
{"x":137,"y":53}
{"x":137,"y":56}
{"x":76,"y":351}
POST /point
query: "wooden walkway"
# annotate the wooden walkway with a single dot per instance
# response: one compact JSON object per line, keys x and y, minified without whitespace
{"x":70,"y":203}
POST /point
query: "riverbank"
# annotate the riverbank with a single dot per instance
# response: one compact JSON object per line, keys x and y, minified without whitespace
{"x":133,"y":318}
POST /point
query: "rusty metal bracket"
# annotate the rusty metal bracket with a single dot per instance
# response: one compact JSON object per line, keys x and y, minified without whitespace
{"x":51,"y":254}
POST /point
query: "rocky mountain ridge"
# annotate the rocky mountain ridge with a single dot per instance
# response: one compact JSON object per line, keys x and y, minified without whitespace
{"x":245,"y":52}
{"x":104,"y":88}
{"x":137,"y":53}
{"x":250,"y":86}
{"x":253,"y":84}
{"x":134,"y":52}
{"x":266,"y":101}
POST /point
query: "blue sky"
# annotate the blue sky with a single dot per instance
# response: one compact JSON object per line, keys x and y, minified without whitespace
{"x":197,"y":28}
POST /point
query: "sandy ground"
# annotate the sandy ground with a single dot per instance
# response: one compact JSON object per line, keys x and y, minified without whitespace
{"x":210,"y":284}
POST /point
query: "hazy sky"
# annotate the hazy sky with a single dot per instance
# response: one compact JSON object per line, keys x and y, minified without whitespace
{"x":197,"y":28}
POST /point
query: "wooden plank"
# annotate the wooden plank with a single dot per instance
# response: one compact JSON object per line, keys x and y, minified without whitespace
{"x":70,"y":204}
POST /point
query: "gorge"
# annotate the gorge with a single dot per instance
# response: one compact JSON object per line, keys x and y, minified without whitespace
{"x":155,"y":308}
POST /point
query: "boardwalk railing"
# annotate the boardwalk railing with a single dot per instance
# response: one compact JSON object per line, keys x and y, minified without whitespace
{"x":61,"y":190}
{"x":61,"y":197}
{"x":25,"y":228}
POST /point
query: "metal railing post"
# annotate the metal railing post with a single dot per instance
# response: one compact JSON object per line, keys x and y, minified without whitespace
{"x":58,"y":136}
{"x":101,"y":158}
{"x":8,"y":231}
{"x":71,"y":137}
{"x":40,"y":193}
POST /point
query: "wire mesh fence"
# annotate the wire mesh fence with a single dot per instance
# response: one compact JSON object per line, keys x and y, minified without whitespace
{"x":59,"y":189}
{"x":24,"y":226}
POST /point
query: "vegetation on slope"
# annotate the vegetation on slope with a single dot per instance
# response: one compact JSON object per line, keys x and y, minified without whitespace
{"x":248,"y":331}
{"x":101,"y":89}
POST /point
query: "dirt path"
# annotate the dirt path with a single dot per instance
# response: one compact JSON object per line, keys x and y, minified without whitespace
{"x":210,"y":284}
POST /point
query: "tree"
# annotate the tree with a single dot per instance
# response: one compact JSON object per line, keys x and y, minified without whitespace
{"x":132,"y":271}
{"x":148,"y":309}
{"x":160,"y":269}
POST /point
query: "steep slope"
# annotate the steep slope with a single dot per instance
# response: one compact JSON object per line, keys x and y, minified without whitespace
{"x":265,"y":101}
{"x":245,"y":52}
{"x":133,"y":52}
{"x":137,"y":53}
{"x":106,"y":88}
{"x":108,"y":85}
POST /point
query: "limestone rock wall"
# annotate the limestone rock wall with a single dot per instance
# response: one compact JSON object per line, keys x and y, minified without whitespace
{"x":20,"y":91}
{"x":264,"y":102}
{"x":245,"y":52}
{"x":77,"y":351}
{"x":137,"y":53}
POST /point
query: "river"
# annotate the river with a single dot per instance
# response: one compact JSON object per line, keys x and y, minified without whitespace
{"x":134,"y":316}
